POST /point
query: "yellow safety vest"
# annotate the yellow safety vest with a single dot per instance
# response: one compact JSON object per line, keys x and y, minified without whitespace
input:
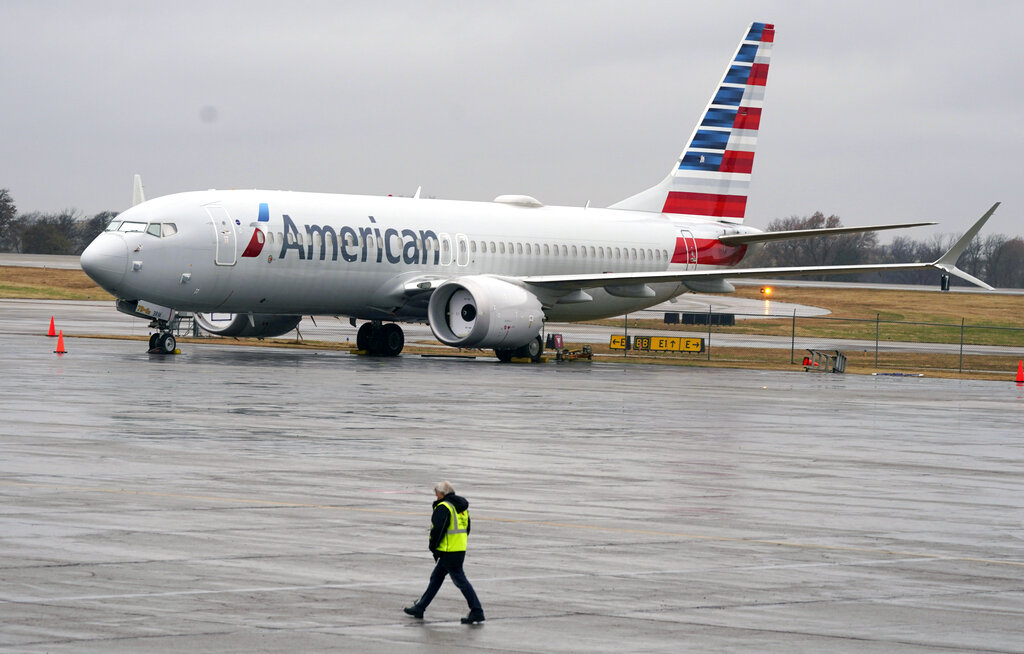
{"x":456,"y":537}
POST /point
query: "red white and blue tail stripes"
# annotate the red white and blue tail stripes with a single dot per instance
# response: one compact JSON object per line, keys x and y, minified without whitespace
{"x":712,"y":175}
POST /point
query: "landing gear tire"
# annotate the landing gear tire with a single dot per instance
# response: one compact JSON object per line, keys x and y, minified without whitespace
{"x":532,"y":350}
{"x":392,"y":340}
{"x":364,"y":336}
{"x":380,"y":340}
{"x":167,"y":343}
{"x":154,"y":340}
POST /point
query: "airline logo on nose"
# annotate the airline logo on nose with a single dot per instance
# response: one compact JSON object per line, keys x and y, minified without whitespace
{"x":255,"y":246}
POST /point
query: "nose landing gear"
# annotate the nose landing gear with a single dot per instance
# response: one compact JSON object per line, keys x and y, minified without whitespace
{"x":162,"y":319}
{"x":163,"y":343}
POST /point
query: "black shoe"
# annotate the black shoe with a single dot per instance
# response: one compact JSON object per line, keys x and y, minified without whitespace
{"x":414,"y":611}
{"x":473,"y":616}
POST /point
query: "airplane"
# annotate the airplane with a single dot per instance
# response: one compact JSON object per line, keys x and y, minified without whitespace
{"x":482,"y":274}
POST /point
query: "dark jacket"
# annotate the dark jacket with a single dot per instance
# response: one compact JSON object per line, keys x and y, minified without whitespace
{"x":440,"y":520}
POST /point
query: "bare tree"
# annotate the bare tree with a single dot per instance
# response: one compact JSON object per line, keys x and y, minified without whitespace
{"x":8,"y":218}
{"x":43,"y":234}
{"x":814,"y":250}
{"x":996,"y":258}
{"x":1006,"y":267}
{"x":91,"y":228}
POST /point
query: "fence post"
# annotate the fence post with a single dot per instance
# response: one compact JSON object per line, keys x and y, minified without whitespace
{"x":792,"y":341}
{"x":877,"y":321}
{"x":962,"y":345}
{"x":708,"y":348}
{"x":625,"y":326}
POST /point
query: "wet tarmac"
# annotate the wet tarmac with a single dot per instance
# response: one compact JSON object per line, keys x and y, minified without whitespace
{"x":236,"y":499}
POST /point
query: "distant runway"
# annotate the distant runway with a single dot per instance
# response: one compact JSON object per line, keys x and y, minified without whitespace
{"x":237,"y":499}
{"x":62,"y":262}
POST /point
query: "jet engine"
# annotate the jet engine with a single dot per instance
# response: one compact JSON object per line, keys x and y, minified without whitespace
{"x":485,"y":312}
{"x":262,"y":325}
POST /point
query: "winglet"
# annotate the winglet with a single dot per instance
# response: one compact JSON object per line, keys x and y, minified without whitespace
{"x":947,"y":262}
{"x":138,"y":194}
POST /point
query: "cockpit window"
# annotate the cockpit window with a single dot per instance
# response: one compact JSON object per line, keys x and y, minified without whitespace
{"x":156,"y":229}
{"x":130,"y":226}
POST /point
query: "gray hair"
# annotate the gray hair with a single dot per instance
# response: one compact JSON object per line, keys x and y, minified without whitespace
{"x":444,"y":488}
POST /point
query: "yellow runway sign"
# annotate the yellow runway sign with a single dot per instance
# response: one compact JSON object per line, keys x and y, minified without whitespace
{"x":658,"y":343}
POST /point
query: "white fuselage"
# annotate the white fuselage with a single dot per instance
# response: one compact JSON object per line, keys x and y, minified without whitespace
{"x":354,"y":255}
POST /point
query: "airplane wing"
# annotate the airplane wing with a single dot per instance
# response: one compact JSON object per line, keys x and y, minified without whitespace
{"x":945,"y":263}
{"x":764,"y":237}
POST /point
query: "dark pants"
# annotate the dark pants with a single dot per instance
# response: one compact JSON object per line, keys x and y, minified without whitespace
{"x":450,"y":563}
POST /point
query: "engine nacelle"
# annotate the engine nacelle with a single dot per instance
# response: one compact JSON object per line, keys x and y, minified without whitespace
{"x":262,"y":325}
{"x":481,"y":311}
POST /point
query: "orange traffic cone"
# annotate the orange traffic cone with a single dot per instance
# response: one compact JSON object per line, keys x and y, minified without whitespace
{"x":51,"y":332}
{"x":60,"y":344}
{"x":1020,"y":371}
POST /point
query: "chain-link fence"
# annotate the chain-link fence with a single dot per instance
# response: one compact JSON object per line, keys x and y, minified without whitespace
{"x":883,"y":345}
{"x":753,"y":340}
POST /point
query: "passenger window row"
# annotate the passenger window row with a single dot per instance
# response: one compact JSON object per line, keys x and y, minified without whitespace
{"x":499,"y":247}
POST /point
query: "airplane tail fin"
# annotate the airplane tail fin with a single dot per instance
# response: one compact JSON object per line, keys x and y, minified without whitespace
{"x":711,"y":178}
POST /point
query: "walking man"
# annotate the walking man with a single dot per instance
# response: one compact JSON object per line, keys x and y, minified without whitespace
{"x":449,"y":534}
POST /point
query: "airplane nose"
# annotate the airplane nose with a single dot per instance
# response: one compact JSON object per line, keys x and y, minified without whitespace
{"x":106,"y":261}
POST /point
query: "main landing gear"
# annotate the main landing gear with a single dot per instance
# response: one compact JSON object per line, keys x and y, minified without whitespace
{"x":380,"y":340}
{"x":532,"y":351}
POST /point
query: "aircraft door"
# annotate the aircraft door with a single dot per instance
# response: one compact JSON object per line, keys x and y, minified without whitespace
{"x":461,"y":249}
{"x":224,"y":232}
{"x":446,"y":249}
{"x":689,"y":245}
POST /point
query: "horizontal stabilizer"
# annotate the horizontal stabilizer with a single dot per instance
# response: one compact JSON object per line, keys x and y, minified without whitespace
{"x":765,"y":237}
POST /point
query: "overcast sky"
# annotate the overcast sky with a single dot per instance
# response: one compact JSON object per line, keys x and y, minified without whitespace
{"x":875,"y":111}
